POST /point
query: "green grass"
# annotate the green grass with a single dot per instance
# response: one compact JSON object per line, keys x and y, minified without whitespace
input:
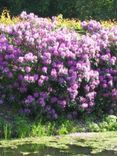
{"x":91,"y":143}
{"x":21,"y":127}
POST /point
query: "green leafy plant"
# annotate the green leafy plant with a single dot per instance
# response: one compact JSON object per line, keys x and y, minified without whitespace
{"x":22,"y":127}
{"x":38,"y":129}
{"x":7,"y":129}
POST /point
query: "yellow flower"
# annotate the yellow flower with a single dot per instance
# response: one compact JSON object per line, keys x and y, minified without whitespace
{"x":6,"y":19}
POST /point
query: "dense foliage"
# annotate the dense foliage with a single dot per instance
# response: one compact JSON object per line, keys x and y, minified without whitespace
{"x":51,"y":70}
{"x":82,"y":9}
{"x":21,"y":127}
{"x":7,"y":19}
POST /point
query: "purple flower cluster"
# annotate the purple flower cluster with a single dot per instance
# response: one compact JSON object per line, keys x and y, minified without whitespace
{"x":55,"y":70}
{"x":91,"y":26}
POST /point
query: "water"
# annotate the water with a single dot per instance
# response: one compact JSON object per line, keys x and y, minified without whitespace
{"x":43,"y":150}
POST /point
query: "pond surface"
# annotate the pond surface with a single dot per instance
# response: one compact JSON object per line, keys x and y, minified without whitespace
{"x":43,"y":150}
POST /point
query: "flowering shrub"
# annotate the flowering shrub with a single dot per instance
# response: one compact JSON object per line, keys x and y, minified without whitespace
{"x":76,"y":24}
{"x":109,"y":23}
{"x":6,"y":18}
{"x":50,"y":70}
{"x":69,"y":23}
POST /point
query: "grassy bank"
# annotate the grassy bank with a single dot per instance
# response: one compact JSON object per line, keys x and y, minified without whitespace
{"x":14,"y":126}
{"x":74,"y":144}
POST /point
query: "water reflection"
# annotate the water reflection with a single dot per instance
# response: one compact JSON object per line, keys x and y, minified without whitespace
{"x":43,"y":150}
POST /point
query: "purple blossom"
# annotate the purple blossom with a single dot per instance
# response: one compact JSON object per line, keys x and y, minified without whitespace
{"x":55,"y":68}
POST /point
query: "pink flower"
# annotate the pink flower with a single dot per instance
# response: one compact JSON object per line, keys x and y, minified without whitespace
{"x":84,"y":105}
{"x":44,"y":69}
{"x":40,"y":82}
{"x":27,"y":69}
{"x":54,"y":73}
{"x":20,"y":59}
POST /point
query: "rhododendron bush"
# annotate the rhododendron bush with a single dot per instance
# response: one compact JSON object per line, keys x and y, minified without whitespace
{"x":49,"y":70}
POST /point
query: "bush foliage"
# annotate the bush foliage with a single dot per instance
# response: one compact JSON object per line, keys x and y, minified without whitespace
{"x":50,"y":70}
{"x":22,"y":127}
{"x":82,"y":9}
{"x":6,"y":19}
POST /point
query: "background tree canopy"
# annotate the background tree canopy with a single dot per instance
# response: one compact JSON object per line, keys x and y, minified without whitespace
{"x":82,"y":9}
